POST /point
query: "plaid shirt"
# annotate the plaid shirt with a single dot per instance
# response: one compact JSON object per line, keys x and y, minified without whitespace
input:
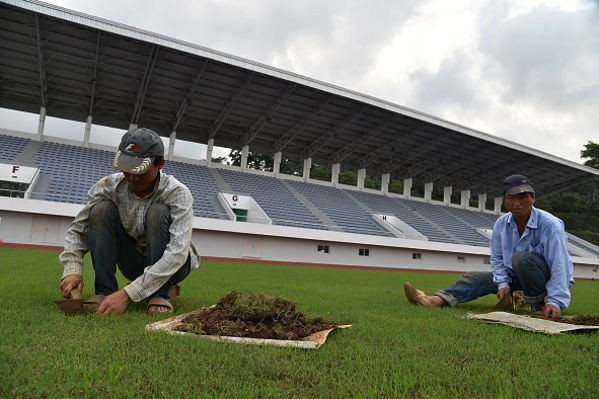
{"x":132,"y":210}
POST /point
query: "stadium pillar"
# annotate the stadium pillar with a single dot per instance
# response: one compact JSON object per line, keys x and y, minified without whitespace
{"x":132,"y":126}
{"x":276,"y":166}
{"x":465,"y":198}
{"x":361,"y":177}
{"x":171,"y":145}
{"x":428,"y":191}
{"x":244,"y":157}
{"x":497,"y":201}
{"x":482,"y":202}
{"x":407,"y":187}
{"x":447,"y":195}
{"x":307,"y":166}
{"x":209,"y":150}
{"x":87,"y":131}
{"x":385,"y":179}
{"x":41,"y":123}
{"x":335,"y":169}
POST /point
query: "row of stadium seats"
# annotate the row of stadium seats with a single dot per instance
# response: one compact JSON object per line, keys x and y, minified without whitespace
{"x":340,"y":207}
{"x":71,"y":170}
{"x":10,"y":147}
{"x":271,"y":194}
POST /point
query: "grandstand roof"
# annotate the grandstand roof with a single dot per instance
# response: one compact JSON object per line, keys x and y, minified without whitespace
{"x":77,"y":65}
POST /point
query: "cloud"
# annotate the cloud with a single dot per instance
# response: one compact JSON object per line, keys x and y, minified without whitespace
{"x":547,"y":56}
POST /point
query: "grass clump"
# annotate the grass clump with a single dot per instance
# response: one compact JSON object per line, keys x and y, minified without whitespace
{"x":253,"y":316}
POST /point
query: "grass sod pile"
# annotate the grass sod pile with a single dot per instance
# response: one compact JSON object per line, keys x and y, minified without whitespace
{"x":253,"y":316}
{"x":393,"y":349}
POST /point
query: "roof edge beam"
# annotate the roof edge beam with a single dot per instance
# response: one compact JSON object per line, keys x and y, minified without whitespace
{"x":94,"y":76}
{"x":145,"y":83}
{"x":41,"y":64}
{"x":187,"y":98}
{"x":265,"y":117}
{"x":327,"y":137}
{"x":220,"y":119}
{"x":290,"y":134}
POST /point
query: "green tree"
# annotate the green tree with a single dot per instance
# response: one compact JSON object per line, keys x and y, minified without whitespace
{"x":320,"y":172}
{"x":292,"y":167}
{"x":254,"y":161}
{"x":591,"y":154}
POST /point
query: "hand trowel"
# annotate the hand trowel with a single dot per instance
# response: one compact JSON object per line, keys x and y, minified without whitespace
{"x":74,"y":305}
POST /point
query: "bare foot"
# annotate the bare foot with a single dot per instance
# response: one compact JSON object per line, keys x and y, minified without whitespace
{"x":417,"y":297}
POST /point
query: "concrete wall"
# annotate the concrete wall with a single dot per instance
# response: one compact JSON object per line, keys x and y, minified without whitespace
{"x":24,"y":221}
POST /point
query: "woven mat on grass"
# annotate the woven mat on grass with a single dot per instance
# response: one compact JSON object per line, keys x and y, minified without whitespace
{"x":530,"y":323}
{"x":313,"y":341}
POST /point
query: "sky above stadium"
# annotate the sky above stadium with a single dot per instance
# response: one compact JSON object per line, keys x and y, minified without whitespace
{"x":523,"y":70}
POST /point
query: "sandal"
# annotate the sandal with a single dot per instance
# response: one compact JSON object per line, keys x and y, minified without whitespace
{"x":159,"y":305}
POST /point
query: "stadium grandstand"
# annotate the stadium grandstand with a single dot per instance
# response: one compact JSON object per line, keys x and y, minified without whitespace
{"x":60,"y":63}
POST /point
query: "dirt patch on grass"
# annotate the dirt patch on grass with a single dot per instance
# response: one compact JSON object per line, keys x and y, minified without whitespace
{"x":255,"y":316}
{"x":583,"y":320}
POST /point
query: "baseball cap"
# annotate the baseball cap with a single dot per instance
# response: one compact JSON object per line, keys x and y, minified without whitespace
{"x":138,"y":149}
{"x":516,"y":184}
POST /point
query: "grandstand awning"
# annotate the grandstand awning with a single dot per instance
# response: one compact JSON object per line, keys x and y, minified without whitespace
{"x":75,"y":65}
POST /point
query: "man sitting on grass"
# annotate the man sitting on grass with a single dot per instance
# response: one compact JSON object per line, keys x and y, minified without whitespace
{"x":529,"y":252}
{"x":139,"y":219}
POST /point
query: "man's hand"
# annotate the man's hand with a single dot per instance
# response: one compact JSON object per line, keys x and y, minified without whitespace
{"x":503,"y":292}
{"x":116,"y":302}
{"x":69,"y":283}
{"x":551,"y":312}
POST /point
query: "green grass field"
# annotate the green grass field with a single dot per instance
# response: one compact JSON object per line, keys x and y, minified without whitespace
{"x":393,"y":350}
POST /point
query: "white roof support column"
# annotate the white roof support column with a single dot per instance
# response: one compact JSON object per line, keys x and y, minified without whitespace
{"x":132,"y":126}
{"x":385,"y":179}
{"x":428,"y":191}
{"x":307,"y":166}
{"x":465,"y":198}
{"x":335,"y":170}
{"x":244,"y":157}
{"x":482,"y":202}
{"x":407,"y":187}
{"x":41,"y":124}
{"x":87,"y":131}
{"x":361,"y":177}
{"x":171,"y":145}
{"x":276,"y":166}
{"x":209,"y":151}
{"x":497,"y":201}
{"x":447,"y":191}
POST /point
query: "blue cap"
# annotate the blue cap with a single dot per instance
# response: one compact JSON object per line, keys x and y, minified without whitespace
{"x":516,"y":184}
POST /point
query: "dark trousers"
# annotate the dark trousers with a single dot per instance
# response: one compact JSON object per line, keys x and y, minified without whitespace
{"x":110,"y":245}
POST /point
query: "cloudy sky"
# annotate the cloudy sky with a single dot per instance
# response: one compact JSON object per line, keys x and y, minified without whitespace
{"x":523,"y":70}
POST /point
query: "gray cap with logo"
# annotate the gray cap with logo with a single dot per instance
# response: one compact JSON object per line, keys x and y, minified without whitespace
{"x":138,"y":149}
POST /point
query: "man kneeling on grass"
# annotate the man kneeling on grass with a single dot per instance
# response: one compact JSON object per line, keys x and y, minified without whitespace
{"x":139,"y":219}
{"x":529,"y":252}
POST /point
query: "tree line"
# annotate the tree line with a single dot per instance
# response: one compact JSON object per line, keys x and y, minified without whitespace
{"x":579,"y":207}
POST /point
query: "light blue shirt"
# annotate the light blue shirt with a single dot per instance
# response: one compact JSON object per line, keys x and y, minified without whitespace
{"x":544,"y":235}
